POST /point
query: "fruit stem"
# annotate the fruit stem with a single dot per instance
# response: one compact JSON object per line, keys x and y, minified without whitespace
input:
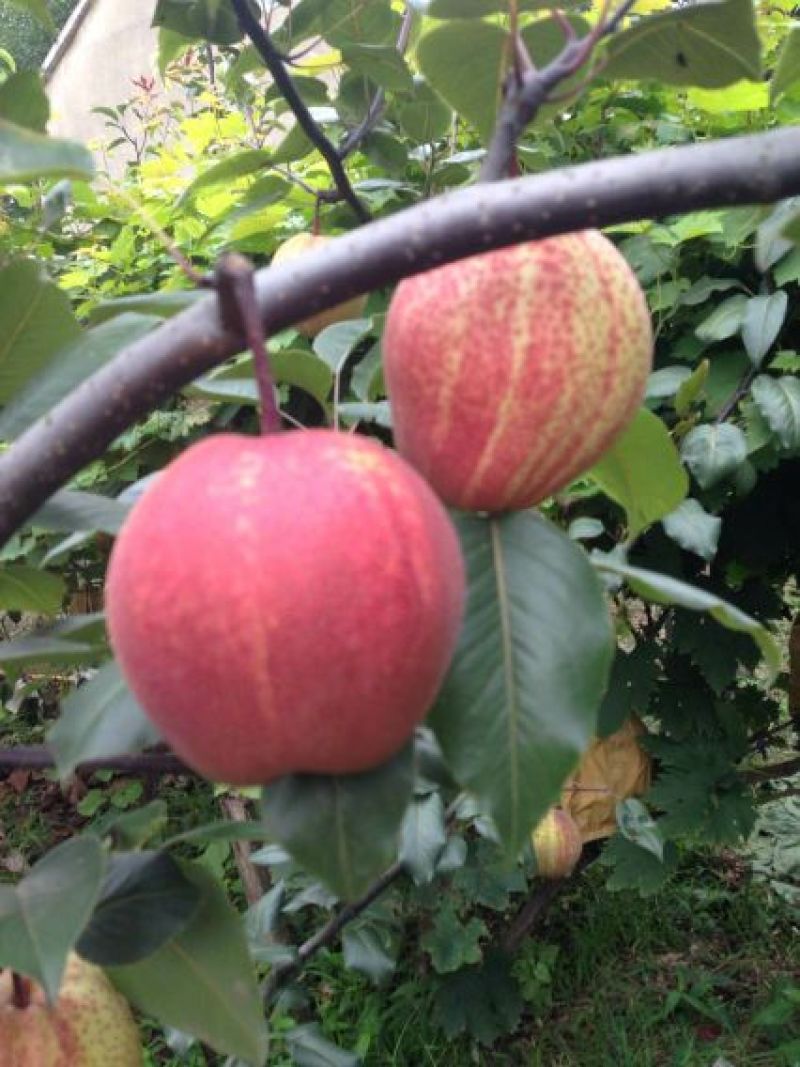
{"x":235,"y":285}
{"x":22,"y":990}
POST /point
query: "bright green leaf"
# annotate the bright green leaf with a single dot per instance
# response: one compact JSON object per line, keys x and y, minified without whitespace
{"x":778,"y":400}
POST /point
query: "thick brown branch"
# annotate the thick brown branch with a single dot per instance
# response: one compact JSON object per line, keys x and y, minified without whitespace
{"x":274,"y":63}
{"x":741,"y":170}
{"x":40,"y":758}
{"x":773,"y":771}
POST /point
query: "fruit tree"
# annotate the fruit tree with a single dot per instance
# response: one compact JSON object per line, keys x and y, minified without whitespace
{"x":347,"y":465}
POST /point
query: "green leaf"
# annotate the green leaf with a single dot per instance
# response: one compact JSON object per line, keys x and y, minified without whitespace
{"x":483,"y":1001}
{"x":342,"y":829}
{"x":701,"y":792}
{"x":763,"y":318}
{"x":366,"y":947}
{"x":691,"y":526}
{"x":382,"y":64}
{"x":487,"y":878}
{"x":347,"y":22}
{"x":146,"y":901}
{"x":294,"y":147}
{"x":510,"y":729}
{"x":99,"y":718}
{"x":211,"y":20}
{"x":787,"y":69}
{"x":709,"y":45}
{"x":228,"y":170}
{"x":71,"y":510}
{"x":642,"y":472}
{"x":162,"y":305}
{"x":713,"y":452}
{"x":35,"y":322}
{"x":470,"y":9}
{"x":452,"y":944}
{"x":309,"y":1048}
{"x":634,"y":678}
{"x":42,"y":916}
{"x":637,"y":868}
{"x":39,"y":10}
{"x":427,"y":117}
{"x":691,"y":388}
{"x":334,"y":344}
{"x":465,"y":60}
{"x":778,"y":400}
{"x":23,"y":101}
{"x":26,"y":155}
{"x":666,"y":382}
{"x":24,"y":588}
{"x":725,"y":320}
{"x":423,"y":837}
{"x":664,"y":589}
{"x":202,"y":982}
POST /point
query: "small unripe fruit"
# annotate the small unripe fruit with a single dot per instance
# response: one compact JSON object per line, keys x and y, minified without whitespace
{"x":90,"y":1025}
{"x":351,"y":309}
{"x":511,"y":372}
{"x":557,"y":844}
{"x":287,"y":603}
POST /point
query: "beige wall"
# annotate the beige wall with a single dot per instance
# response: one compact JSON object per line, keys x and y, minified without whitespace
{"x":109,"y":43}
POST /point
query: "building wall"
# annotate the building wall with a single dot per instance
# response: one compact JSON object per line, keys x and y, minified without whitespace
{"x":105,"y":44}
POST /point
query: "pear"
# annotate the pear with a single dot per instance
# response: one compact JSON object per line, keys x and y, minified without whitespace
{"x":90,"y":1025}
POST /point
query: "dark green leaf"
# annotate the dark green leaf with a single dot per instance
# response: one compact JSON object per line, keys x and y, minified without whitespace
{"x":146,"y":900}
{"x":76,"y":640}
{"x":133,"y":829}
{"x":636,"y":868}
{"x":70,"y":510}
{"x":26,"y":155}
{"x":634,"y":677}
{"x":342,"y":829}
{"x":483,"y":1001}
{"x":210,"y":20}
{"x":691,"y":388}
{"x":663,"y":589}
{"x":642,"y":472}
{"x":709,"y":45}
{"x":100,"y":718}
{"x":261,"y":920}
{"x":510,"y":729}
{"x":382,"y":64}
{"x":42,"y":916}
{"x":24,"y":588}
{"x":468,"y":9}
{"x":35,"y":322}
{"x":344,"y":23}
{"x":452,"y":944}
{"x":713,"y":452}
{"x":666,"y":382}
{"x":202,"y":982}
{"x":778,"y":400}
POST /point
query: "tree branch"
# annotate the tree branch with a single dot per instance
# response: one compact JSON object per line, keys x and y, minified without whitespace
{"x":773,"y":771}
{"x":738,"y":170}
{"x":40,"y":758}
{"x":528,"y":89}
{"x":274,"y":63}
{"x":375,"y":110}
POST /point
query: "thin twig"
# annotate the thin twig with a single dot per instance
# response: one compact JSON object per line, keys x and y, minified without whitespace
{"x":239,"y":311}
{"x":526,"y":94}
{"x":375,"y":109}
{"x":275,"y":64}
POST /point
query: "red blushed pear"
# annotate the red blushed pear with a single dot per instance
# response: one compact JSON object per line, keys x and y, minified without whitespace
{"x":90,"y":1024}
{"x":511,"y":372}
{"x":288,"y":603}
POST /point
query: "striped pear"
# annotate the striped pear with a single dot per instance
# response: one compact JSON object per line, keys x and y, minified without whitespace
{"x":511,"y":372}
